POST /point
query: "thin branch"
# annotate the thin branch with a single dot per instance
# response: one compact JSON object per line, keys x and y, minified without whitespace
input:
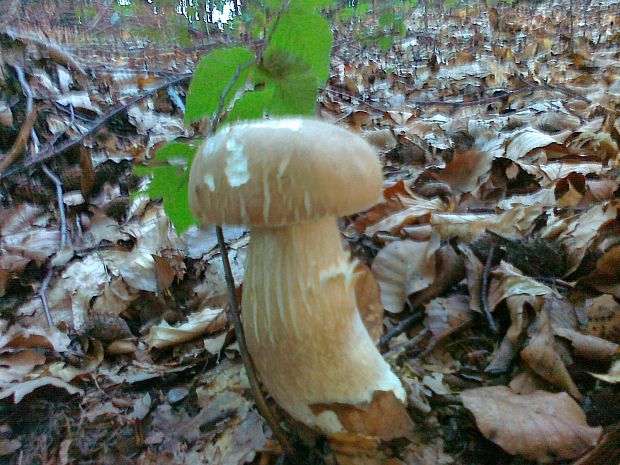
{"x":261,"y":403}
{"x":400,"y":328}
{"x":61,"y":205}
{"x":52,"y":152}
{"x":484,"y":291}
{"x":406,"y":346}
{"x":44,"y":285}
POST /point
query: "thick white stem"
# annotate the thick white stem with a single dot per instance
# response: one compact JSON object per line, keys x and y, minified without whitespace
{"x":303,"y":329}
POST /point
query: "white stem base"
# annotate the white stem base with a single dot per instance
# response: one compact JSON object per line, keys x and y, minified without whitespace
{"x":302,"y":326}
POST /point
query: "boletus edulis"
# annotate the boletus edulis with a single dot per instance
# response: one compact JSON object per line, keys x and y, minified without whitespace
{"x":289,"y":180}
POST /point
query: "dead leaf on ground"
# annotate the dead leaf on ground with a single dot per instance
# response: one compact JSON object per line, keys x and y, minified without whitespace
{"x":163,"y":335}
{"x":20,"y":390}
{"x":603,"y":314}
{"x":402,"y":268}
{"x":541,"y":356}
{"x":539,"y":426}
{"x":612,"y":376}
{"x":445,"y":316}
{"x":590,"y":347}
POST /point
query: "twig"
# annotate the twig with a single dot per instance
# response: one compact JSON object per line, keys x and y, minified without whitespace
{"x":484,"y":291}
{"x":405,"y":346}
{"x":400,"y":328}
{"x":61,"y":205}
{"x":261,"y":404}
{"x":44,"y":285}
{"x":24,"y":133}
{"x":52,"y":152}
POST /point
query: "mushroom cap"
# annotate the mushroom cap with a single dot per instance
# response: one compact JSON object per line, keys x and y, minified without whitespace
{"x":282,"y":171}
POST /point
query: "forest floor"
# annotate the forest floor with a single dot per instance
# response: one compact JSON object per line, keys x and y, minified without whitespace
{"x":496,"y":250}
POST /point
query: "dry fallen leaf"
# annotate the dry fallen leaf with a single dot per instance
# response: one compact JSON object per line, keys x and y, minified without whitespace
{"x":402,"y":268}
{"x":603,"y":314}
{"x":541,"y":356}
{"x":163,"y":335}
{"x":463,"y":173}
{"x":612,"y":376}
{"x":539,"y":426}
{"x":445,"y":316}
{"x":20,"y":390}
{"x":590,"y":347}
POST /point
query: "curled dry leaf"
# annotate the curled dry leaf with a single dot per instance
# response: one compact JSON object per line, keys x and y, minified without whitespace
{"x":543,"y":358}
{"x":138,"y":271}
{"x":606,"y":276}
{"x":473,"y":270}
{"x":34,"y":337}
{"x":612,"y":376}
{"x":122,"y":346}
{"x":526,"y":382}
{"x":14,"y":366}
{"x":581,"y":232}
{"x":510,"y":345}
{"x":539,"y":426}
{"x":528,"y":140}
{"x":20,"y":390}
{"x":590,"y":347}
{"x":163,"y":335}
{"x":415,"y":208}
{"x":449,"y":271}
{"x":463,"y":173}
{"x":402,"y":268}
{"x":509,"y":281}
{"x":468,"y":226}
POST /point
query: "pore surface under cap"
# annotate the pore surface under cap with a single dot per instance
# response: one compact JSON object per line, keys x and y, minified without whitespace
{"x":282,"y":171}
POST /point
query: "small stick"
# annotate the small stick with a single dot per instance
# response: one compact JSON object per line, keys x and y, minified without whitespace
{"x":401,"y":328}
{"x":484,"y":291}
{"x":405,"y":346}
{"x":44,"y":285}
{"x":261,"y":404}
{"x":61,"y":205}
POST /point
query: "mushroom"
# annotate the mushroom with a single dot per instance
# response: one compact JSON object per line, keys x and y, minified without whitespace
{"x":289,"y":179}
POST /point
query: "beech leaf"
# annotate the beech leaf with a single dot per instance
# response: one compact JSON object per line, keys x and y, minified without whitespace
{"x":539,"y":426}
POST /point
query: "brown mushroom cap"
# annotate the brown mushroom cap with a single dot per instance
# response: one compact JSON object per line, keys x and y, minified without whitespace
{"x":282,"y":171}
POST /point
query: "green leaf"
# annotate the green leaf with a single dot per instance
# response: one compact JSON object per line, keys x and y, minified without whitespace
{"x":385,"y":43}
{"x":306,"y":36}
{"x":252,"y":105}
{"x":170,"y":178}
{"x":387,"y":19}
{"x":212,"y":77}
